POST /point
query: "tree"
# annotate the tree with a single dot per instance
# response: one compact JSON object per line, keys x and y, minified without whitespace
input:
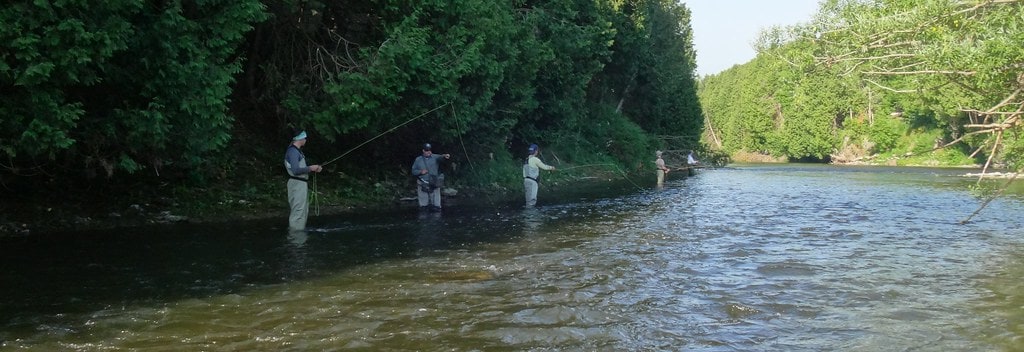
{"x":118,"y":85}
{"x":962,"y":57}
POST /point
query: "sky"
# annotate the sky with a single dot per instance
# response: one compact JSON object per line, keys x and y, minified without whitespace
{"x":724,"y":30}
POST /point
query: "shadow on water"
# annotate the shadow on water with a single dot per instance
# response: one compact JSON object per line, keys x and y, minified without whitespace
{"x":49,"y":280}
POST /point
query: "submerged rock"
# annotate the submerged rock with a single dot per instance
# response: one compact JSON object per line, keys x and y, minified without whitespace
{"x":167,"y":217}
{"x":449,"y":192}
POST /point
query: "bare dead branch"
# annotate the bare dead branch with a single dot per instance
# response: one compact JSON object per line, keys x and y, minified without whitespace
{"x":993,"y":197}
{"x":995,"y":146}
{"x":874,"y":57}
{"x":993,"y":126}
{"x":907,"y":66}
{"x":981,"y":5}
{"x":1006,"y":101}
{"x":890,"y":89}
{"x":978,"y":149}
{"x":921,"y":72}
{"x":955,"y":141}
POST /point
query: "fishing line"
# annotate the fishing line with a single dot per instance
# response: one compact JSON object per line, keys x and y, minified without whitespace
{"x":465,"y":152}
{"x":384,"y":133}
{"x":587,"y":165}
{"x":617,"y":168}
{"x":461,"y":142}
{"x":316,"y":199}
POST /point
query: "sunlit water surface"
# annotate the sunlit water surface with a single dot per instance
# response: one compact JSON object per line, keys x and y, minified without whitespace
{"x":745,"y":258}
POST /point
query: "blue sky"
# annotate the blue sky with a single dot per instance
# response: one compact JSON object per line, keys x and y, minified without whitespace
{"x":723,"y":30}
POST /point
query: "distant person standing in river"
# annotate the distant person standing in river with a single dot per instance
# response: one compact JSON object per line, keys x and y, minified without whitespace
{"x":298,"y":176}
{"x":531,"y":174}
{"x":429,"y":179}
{"x":690,"y":160}
{"x":662,"y":169}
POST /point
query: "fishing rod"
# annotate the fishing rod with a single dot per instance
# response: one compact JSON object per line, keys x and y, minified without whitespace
{"x":587,"y":165}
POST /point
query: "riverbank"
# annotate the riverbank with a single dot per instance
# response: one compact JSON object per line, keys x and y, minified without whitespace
{"x":112,"y":206}
{"x":194,"y":205}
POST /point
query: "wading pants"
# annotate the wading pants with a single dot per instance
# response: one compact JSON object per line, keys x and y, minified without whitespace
{"x":531,"y":191}
{"x":298,"y":195}
{"x":432,"y":198}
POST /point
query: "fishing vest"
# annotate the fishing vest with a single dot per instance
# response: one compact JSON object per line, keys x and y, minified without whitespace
{"x":428,"y":163}
{"x":302,"y":164}
{"x":433,"y":179}
{"x":530,"y":172}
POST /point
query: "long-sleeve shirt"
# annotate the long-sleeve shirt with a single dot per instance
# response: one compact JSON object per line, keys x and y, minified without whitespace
{"x":295,"y":161}
{"x":661,"y":164}
{"x":533,"y":166}
{"x":429,"y":163}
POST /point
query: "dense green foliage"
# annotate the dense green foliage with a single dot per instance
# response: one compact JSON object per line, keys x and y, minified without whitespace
{"x":135,"y":85}
{"x":121,"y":85}
{"x":880,"y":78}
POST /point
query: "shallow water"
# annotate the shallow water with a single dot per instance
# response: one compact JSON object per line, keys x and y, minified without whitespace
{"x":752,"y":257}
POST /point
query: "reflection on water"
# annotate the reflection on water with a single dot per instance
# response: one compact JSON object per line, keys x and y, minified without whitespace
{"x":745,"y":258}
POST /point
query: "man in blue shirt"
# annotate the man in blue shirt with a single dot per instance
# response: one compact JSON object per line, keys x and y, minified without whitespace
{"x":429,"y":179}
{"x":298,"y":175}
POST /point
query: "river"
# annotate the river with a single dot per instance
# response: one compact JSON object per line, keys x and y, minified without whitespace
{"x":749,"y":257}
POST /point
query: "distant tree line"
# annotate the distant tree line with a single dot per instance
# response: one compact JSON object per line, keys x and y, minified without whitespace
{"x":115,"y":88}
{"x":891,"y":78}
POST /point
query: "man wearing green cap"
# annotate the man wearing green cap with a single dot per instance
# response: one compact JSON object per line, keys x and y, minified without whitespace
{"x":298,"y":176}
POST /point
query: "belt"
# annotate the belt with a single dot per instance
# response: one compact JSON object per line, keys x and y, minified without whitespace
{"x":531,"y":178}
{"x":298,"y":178}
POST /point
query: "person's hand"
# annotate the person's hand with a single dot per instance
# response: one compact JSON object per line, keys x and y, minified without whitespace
{"x":447,"y":156}
{"x":423,"y":172}
{"x":315,"y":168}
{"x":553,"y":168}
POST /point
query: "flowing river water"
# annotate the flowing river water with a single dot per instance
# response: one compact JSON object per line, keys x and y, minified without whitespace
{"x":751,"y":257}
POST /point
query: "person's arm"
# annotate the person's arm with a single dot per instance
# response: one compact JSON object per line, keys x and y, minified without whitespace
{"x":418,"y":167}
{"x":294,"y":157}
{"x":535,"y":162}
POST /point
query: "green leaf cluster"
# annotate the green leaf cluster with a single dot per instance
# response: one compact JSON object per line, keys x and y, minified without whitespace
{"x":124,"y":86}
{"x":121,"y":84}
{"x":581,"y":77}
